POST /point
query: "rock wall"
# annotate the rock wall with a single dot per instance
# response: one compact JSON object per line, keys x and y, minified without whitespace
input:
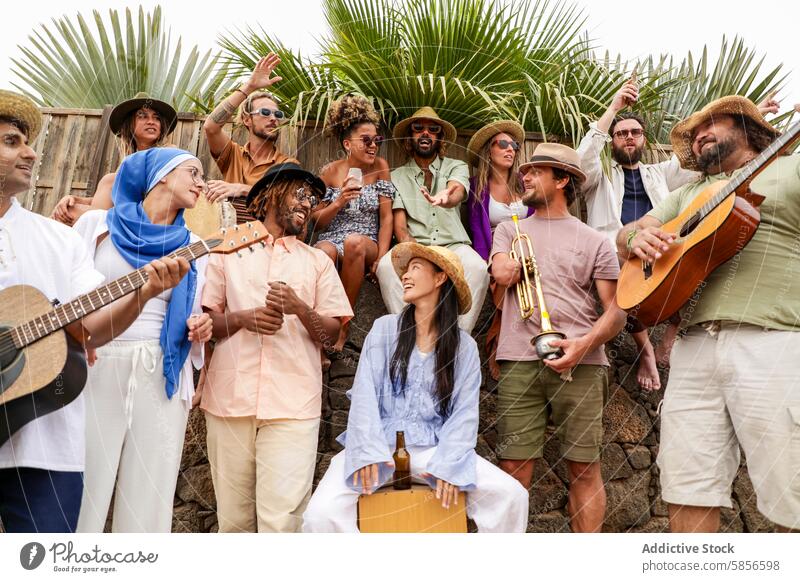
{"x":631,"y":437}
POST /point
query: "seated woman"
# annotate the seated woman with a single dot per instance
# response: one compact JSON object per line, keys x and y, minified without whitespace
{"x":419,"y":373}
{"x":139,"y":124}
{"x":495,"y":194}
{"x":140,"y":389}
{"x":354,"y":220}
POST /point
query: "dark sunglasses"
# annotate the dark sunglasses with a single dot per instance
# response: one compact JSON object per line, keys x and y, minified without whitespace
{"x":369,"y":140}
{"x":505,"y":144}
{"x":303,"y":193}
{"x":431,"y":129}
{"x":264,"y":112}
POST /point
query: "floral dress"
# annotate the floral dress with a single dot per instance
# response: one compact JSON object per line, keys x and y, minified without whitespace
{"x":360,"y":216}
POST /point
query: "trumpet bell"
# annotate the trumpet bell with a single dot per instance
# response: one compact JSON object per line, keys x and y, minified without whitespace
{"x":544,"y":349}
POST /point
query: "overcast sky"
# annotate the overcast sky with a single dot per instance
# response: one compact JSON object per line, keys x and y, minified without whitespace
{"x":673,"y":26}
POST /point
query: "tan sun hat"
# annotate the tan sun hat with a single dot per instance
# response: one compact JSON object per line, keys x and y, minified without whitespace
{"x":19,"y":107}
{"x":682,"y":134}
{"x":487,"y":132}
{"x":121,"y":111}
{"x":425,"y":113}
{"x":556,"y":155}
{"x":443,"y":258}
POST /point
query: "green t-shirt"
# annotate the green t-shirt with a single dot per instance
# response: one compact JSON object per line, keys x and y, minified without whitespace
{"x":428,"y":224}
{"x":761,"y":284}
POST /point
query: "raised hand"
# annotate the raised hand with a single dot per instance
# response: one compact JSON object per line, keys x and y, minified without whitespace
{"x":261,"y":78}
{"x":769,"y":104}
{"x":627,"y":95}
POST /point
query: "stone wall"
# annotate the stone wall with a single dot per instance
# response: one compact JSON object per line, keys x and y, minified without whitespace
{"x":630,"y":445}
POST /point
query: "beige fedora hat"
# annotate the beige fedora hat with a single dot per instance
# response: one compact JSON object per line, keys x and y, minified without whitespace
{"x":425,"y":113}
{"x":682,"y":134}
{"x":19,"y":107}
{"x":443,"y":258}
{"x":556,"y":155}
{"x":487,"y":132}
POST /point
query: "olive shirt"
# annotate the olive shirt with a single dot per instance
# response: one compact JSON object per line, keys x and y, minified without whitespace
{"x":429,"y":224}
{"x":760,"y":285}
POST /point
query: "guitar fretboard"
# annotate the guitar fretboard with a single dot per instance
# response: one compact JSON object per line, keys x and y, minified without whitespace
{"x":63,"y":315}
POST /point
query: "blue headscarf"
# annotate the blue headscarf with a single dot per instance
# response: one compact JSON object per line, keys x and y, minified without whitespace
{"x":139,"y":241}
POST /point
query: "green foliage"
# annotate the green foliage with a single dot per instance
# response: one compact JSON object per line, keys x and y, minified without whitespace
{"x":72,"y":65}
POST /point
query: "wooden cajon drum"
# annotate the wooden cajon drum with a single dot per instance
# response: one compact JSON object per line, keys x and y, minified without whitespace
{"x":414,"y":510}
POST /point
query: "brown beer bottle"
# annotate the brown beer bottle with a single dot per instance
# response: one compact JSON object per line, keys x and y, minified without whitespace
{"x":402,"y":463}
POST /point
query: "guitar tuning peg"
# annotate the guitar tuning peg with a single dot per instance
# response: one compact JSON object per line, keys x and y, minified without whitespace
{"x":251,"y":249}
{"x":249,"y":225}
{"x":263,"y":245}
{"x":239,"y":254}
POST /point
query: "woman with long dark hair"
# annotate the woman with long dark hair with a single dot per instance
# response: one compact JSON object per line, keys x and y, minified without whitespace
{"x":420,"y":374}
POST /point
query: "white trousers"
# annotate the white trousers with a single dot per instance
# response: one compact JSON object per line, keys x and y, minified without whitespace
{"x":262,"y":470}
{"x":475,"y":271}
{"x":134,"y":439}
{"x":499,"y":504}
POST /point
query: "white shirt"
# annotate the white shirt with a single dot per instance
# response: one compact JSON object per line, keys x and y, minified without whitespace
{"x":500,"y":212}
{"x":51,"y":257}
{"x":604,"y":194}
{"x":90,"y":227}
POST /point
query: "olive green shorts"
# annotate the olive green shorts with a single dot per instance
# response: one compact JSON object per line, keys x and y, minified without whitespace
{"x":529,"y":392}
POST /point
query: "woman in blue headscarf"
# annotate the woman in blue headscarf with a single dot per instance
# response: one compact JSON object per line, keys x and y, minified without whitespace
{"x":140,"y":390}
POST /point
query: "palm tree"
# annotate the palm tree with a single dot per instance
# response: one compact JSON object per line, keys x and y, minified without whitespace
{"x":71,"y":65}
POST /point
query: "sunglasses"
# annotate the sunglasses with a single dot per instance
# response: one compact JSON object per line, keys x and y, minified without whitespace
{"x":302,"y":194}
{"x":369,"y":140}
{"x":505,"y":144}
{"x":623,"y":133}
{"x":264,"y":112}
{"x":430,"y":128}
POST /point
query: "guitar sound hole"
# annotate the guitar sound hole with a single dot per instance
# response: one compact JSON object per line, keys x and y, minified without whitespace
{"x":690,"y":224}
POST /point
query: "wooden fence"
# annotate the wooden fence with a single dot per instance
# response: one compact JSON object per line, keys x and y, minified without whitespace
{"x":76,"y":148}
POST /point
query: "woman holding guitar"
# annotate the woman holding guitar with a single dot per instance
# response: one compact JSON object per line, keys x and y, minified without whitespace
{"x":140,"y":389}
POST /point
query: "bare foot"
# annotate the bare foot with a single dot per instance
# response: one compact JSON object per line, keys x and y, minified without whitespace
{"x":647,"y":374}
{"x":343,"y":332}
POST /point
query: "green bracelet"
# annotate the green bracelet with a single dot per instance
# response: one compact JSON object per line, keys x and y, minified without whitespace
{"x":629,"y":239}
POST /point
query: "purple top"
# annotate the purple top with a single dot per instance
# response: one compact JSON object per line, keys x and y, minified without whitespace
{"x":480,"y":230}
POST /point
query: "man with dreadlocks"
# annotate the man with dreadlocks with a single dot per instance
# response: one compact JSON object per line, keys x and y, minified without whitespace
{"x":272,"y":309}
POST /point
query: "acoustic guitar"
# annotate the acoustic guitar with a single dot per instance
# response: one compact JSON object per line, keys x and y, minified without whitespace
{"x":718,"y":223}
{"x":42,"y":369}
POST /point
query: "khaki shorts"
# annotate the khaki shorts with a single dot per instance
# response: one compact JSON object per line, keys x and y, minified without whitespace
{"x":530,"y":391}
{"x":738,"y":387}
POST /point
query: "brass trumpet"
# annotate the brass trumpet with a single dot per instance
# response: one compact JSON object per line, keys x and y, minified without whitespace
{"x":529,"y":291}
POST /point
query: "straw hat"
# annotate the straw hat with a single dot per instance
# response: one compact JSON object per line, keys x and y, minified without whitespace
{"x":18,"y":106}
{"x":443,"y":258}
{"x":487,"y":132}
{"x":556,"y":155}
{"x":121,"y":111}
{"x":401,"y":130}
{"x":682,"y":134}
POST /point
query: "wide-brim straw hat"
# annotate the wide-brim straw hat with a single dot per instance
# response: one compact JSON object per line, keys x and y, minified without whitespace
{"x":288,"y":171}
{"x":118,"y":115}
{"x":682,"y":134}
{"x":443,"y":258}
{"x":556,"y":155}
{"x":401,"y":130}
{"x":19,"y":107}
{"x":487,"y":132}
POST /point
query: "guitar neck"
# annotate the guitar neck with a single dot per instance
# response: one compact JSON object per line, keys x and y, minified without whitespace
{"x":63,"y":315}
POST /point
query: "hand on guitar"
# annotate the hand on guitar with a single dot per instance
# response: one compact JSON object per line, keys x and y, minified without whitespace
{"x":650,"y":242}
{"x":162,"y":274}
{"x":220,"y":190}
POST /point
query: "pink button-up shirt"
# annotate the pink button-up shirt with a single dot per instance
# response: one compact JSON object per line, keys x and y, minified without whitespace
{"x":270,"y":376}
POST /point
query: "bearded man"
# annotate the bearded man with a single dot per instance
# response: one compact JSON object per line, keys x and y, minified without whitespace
{"x":430,"y":189}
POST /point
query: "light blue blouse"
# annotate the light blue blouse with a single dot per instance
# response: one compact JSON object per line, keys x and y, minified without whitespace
{"x":376,"y":413}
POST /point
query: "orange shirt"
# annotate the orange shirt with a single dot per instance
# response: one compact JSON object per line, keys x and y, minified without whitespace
{"x":238,"y":167}
{"x":270,"y":376}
